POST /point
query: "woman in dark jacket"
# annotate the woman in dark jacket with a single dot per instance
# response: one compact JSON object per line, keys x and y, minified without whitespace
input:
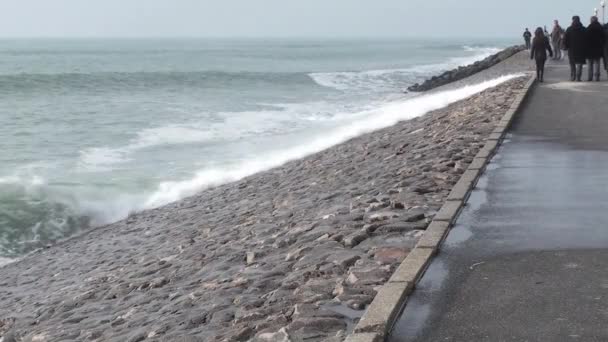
{"x":540,"y":46}
{"x":575,"y":41}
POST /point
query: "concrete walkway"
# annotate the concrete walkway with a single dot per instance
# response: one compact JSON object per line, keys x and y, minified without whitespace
{"x":528,"y":257}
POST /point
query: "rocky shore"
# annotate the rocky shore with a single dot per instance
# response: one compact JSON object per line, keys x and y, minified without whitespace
{"x":292,"y":254}
{"x":466,"y":71}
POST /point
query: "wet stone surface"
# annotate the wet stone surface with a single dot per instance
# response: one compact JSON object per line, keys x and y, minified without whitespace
{"x":292,"y":254}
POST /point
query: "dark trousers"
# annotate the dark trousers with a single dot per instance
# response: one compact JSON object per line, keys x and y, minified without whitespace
{"x":540,"y":68}
{"x":576,"y":68}
{"x":528,"y":44}
{"x":576,"y":71}
{"x":594,"y":69}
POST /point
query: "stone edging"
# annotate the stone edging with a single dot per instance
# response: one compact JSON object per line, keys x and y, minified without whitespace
{"x":383,"y":312}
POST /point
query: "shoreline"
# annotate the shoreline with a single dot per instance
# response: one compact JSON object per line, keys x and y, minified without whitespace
{"x":300,"y":153}
{"x":88,"y":206}
{"x":297,"y":251}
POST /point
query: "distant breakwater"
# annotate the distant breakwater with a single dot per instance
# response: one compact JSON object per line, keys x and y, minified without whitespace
{"x":465,"y":71}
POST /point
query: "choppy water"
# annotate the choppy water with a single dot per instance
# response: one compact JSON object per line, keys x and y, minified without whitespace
{"x":94,"y":129}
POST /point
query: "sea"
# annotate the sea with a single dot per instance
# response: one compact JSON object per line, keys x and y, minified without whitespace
{"x":92,"y":130}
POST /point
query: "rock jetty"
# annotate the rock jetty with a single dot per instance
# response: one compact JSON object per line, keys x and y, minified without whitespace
{"x":466,"y":71}
{"x":292,"y":254}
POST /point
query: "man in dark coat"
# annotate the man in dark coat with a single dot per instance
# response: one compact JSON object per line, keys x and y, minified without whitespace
{"x":527,"y":38}
{"x":595,"y":48}
{"x":575,"y":42}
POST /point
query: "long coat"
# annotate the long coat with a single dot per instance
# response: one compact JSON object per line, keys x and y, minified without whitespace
{"x":596,"y":39}
{"x":540,"y":46}
{"x":576,"y":43}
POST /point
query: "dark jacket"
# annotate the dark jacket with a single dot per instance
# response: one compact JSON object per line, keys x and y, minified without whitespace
{"x":575,"y":42}
{"x":596,"y":39}
{"x":606,"y":46}
{"x":527,"y":35}
{"x":540,"y":46}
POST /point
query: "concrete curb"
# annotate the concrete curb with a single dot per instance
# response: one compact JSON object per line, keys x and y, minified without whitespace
{"x":382,"y":313}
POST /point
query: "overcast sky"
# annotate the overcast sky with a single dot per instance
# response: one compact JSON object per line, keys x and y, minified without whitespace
{"x":286,"y":18}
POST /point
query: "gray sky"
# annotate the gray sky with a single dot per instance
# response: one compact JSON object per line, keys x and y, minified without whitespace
{"x":307,"y":18}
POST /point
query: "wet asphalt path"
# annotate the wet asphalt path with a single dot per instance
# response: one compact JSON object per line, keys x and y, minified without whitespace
{"x":528,"y":257}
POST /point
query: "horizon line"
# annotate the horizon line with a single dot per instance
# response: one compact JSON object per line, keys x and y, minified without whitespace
{"x":263,"y":37}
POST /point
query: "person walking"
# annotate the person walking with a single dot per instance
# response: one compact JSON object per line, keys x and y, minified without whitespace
{"x":527,"y":38}
{"x":596,"y":40}
{"x":575,"y":43}
{"x":556,"y":39}
{"x":540,"y":46}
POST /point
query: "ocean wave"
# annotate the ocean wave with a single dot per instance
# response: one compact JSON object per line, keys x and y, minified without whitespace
{"x":373,"y":120}
{"x":142,"y":81}
{"x":6,"y":261}
{"x":481,"y":49}
{"x":388,"y":79}
{"x":35,"y":213}
{"x":225,"y":127}
{"x":29,"y":180}
{"x":100,"y":158}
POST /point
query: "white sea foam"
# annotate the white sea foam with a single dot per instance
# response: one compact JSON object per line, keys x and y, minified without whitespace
{"x":102,"y":158}
{"x":97,"y":158}
{"x":169,"y":135}
{"x":28,"y":180}
{"x":393,"y":78}
{"x":481,"y":49}
{"x":373,"y":120}
{"x":6,"y":261}
{"x":230,"y":126}
{"x":370,"y":80}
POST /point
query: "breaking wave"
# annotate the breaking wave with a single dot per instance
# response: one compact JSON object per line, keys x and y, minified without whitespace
{"x":395,"y":78}
{"x":373,"y":120}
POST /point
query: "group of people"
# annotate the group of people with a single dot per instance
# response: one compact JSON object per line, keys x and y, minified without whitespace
{"x":584,"y":45}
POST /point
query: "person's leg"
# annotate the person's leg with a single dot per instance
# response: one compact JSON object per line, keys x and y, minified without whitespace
{"x":590,"y":69}
{"x":572,"y":66}
{"x":572,"y":71}
{"x":596,"y":63}
{"x":539,"y":70}
{"x":542,"y":70}
{"x":579,"y":72}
